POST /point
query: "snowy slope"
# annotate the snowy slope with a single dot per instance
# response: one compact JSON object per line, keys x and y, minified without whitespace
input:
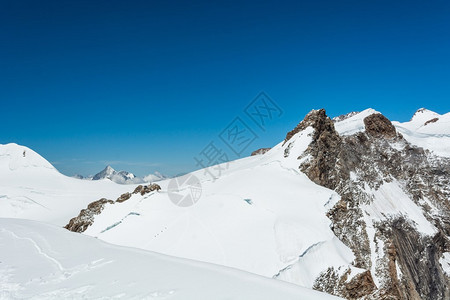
{"x":428,"y":130}
{"x":261,"y":215}
{"x":41,"y":261}
{"x":31,"y":188}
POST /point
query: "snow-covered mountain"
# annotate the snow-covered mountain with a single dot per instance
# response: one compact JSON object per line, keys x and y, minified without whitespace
{"x":350,"y":207}
{"x":428,"y":130}
{"x":357,"y":206}
{"x":156,"y":176}
{"x":123,"y":177}
{"x":120,"y":177}
{"x":42,"y":261}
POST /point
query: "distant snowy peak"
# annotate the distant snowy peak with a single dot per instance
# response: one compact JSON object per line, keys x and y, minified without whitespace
{"x":16,"y":157}
{"x":429,"y":130}
{"x":423,"y":114}
{"x":156,"y":176}
{"x":121,"y":177}
{"x":427,"y":121}
{"x":105,"y":173}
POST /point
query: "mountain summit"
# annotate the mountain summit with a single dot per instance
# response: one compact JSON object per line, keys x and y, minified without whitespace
{"x":121,"y":177}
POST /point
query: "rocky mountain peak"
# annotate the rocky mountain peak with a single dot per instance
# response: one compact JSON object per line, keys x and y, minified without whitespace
{"x":317,"y":119}
{"x":105,"y":173}
{"x":121,"y":177}
{"x":323,"y":149}
{"x":260,"y":151}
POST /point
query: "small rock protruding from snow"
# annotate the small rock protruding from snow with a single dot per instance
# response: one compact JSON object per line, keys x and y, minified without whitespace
{"x":260,"y":151}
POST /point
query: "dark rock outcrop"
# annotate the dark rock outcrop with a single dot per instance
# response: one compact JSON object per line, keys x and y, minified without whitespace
{"x":87,"y":215}
{"x":144,"y":189}
{"x":260,"y":151}
{"x":324,"y":148}
{"x":124,"y":197}
{"x":378,"y":125}
{"x":147,"y":189}
{"x":434,"y":120}
{"x":359,"y":286}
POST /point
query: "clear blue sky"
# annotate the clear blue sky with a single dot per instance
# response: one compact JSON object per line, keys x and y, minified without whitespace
{"x":146,"y":86}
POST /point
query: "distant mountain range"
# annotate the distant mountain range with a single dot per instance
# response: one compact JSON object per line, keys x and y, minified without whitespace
{"x":123,"y":177}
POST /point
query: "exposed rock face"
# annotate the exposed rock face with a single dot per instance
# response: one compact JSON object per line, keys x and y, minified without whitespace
{"x":144,"y":189}
{"x":260,"y":151}
{"x":357,"y":287}
{"x":378,"y":125}
{"x":346,"y":116}
{"x":404,"y":261}
{"x":86,"y":216}
{"x":434,"y":120}
{"x":124,"y":197}
{"x":150,"y":188}
{"x":324,"y":148}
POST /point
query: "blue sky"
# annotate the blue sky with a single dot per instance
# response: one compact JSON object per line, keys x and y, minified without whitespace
{"x":146,"y":86}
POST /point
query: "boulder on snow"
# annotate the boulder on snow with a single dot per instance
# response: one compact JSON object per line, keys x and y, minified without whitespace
{"x":434,"y":120}
{"x":150,"y":188}
{"x":123,"y":197}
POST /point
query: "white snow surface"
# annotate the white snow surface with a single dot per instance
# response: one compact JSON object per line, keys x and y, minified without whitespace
{"x":41,"y":261}
{"x":31,"y":188}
